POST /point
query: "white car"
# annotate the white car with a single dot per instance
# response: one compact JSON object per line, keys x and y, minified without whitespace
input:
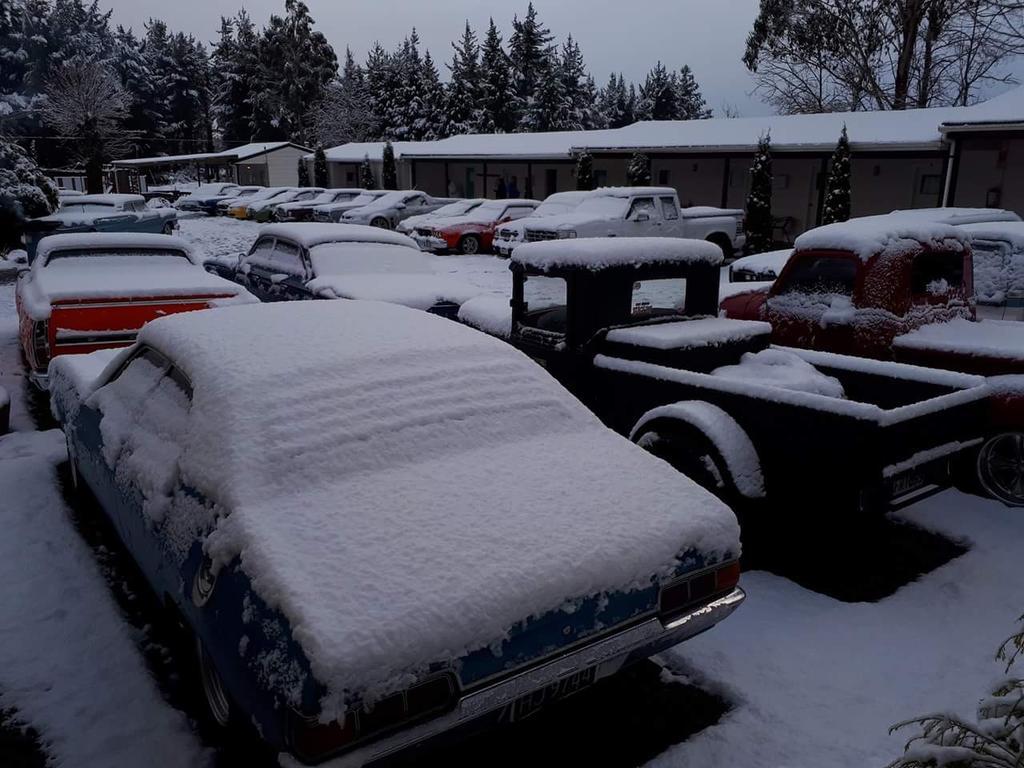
{"x":388,"y":210}
{"x":511,"y":234}
{"x":334,"y":211}
{"x":458,"y":208}
{"x":643,"y":212}
{"x":302,"y":210}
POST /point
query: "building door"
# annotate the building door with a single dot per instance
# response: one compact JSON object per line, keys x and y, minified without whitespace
{"x":550,"y":181}
{"x":470,"y":182}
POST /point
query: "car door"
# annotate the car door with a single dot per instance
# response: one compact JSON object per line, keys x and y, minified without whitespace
{"x":251,"y":272}
{"x":672,"y":223}
{"x":642,"y":218}
{"x":280,"y":272}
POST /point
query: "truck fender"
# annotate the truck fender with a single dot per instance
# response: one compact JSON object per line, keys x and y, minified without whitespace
{"x":728,"y":437}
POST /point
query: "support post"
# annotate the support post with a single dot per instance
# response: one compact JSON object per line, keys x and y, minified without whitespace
{"x":725,"y":182}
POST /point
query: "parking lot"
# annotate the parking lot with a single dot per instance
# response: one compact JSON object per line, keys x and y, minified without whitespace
{"x":844,"y":633}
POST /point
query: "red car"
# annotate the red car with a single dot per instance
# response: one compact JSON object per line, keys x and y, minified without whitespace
{"x":473,"y":232}
{"x":92,"y":291}
{"x":902,"y":289}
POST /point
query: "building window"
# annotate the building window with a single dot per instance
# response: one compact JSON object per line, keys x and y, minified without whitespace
{"x":350,"y":177}
{"x":780,"y":181}
{"x":931,"y":184}
{"x":663,"y":175}
{"x":601,"y":178}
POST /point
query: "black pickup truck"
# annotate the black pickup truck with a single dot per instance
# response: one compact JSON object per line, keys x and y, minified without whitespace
{"x":631,"y":327}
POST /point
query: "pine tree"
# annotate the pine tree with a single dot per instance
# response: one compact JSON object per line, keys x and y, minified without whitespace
{"x":639,"y":171}
{"x":389,"y":172}
{"x":530,"y":53}
{"x":236,"y":66}
{"x":498,"y":94}
{"x":430,"y":125}
{"x":464,"y":89}
{"x":366,"y":179}
{"x":759,"y":200}
{"x":303,"y":171}
{"x":574,"y":113}
{"x":584,"y":171}
{"x":377,"y":82}
{"x":145,"y":115}
{"x":548,"y":110}
{"x":837,"y":196}
{"x":689,"y":100}
{"x":408,"y":79}
{"x":25,"y":193}
{"x":658,"y":96}
{"x":321,"y":176}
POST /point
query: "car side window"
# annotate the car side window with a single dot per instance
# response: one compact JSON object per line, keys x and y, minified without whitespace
{"x":263,"y":247}
{"x":821,"y":275}
{"x":518,"y":212}
{"x":936,"y":276}
{"x":641,"y":205}
{"x":669,"y":209}
{"x":287,"y":258}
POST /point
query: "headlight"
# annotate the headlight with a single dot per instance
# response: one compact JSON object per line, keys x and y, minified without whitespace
{"x":567,"y":234}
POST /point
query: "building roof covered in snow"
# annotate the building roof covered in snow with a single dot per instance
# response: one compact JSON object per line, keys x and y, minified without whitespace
{"x":237,"y":154}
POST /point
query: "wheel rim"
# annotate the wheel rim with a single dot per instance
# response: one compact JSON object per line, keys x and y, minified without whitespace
{"x":380,"y":223}
{"x":1001,"y":467}
{"x":213,"y":689}
{"x":470,"y":246}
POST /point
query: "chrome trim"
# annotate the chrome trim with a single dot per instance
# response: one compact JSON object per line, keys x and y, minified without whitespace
{"x":41,"y":381}
{"x":131,"y":302}
{"x":608,"y":653}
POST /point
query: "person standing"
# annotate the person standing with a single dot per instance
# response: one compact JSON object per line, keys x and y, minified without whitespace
{"x":513,"y":188}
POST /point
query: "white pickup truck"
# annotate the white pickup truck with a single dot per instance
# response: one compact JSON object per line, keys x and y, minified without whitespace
{"x":642,"y":212}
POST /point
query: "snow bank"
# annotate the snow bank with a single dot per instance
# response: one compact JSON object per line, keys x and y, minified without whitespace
{"x":490,"y":313}
{"x":779,"y":368}
{"x":426,"y":429}
{"x":600,"y":253}
{"x":68,"y":663}
{"x":985,"y":338}
{"x":310,"y":234}
{"x":689,"y":334}
{"x":889,"y":234}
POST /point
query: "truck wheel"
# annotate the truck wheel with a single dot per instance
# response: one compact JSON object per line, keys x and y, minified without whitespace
{"x":724,"y":243}
{"x":1001,"y":468}
{"x":469,"y":245}
{"x":215,"y":695}
{"x":693,"y":454}
{"x":381,"y":223}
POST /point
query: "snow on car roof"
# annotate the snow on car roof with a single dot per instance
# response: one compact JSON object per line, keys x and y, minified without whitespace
{"x":769,"y":260}
{"x":986,"y":338}
{"x":1010,"y":231}
{"x":310,"y":234}
{"x":97,"y":241}
{"x":600,"y":253}
{"x":888,"y":233}
{"x":689,"y":334}
{"x":417,"y":487}
{"x":123,"y":198}
{"x":959,"y":215}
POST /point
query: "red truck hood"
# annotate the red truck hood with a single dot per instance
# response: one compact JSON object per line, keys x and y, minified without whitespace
{"x":746,"y":304}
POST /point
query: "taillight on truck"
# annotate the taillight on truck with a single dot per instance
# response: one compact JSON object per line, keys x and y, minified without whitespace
{"x":41,"y":344}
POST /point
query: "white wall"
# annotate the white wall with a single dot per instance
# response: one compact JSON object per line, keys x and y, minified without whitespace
{"x":281,"y":166}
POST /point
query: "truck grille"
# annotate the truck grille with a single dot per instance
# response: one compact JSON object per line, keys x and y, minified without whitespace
{"x":424,"y":231}
{"x":535,"y":236}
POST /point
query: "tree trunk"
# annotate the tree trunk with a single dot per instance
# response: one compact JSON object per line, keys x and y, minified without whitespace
{"x":909,"y":17}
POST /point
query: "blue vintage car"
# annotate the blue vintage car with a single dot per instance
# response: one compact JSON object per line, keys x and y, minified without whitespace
{"x":368,"y":557}
{"x":101,"y":213}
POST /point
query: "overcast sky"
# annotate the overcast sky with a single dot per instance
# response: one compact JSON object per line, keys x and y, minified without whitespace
{"x":614,"y":35}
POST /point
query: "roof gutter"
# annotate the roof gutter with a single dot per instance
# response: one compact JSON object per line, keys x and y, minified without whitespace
{"x":982,"y":127}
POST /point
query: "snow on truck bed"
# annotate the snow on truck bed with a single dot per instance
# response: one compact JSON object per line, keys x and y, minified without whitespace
{"x":689,"y":334}
{"x":405,"y":488}
{"x":985,"y":338}
{"x":600,"y":253}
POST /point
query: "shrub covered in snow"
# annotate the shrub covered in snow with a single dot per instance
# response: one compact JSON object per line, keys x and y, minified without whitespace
{"x":837,"y":198}
{"x":639,"y":171}
{"x":303,"y":171}
{"x":366,"y":179}
{"x":996,"y":740}
{"x":584,"y":171}
{"x":759,"y":200}
{"x":321,"y":178}
{"x":389,"y":172}
{"x":25,"y":193}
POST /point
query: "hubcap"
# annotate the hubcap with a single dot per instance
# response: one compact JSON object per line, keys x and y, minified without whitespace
{"x":213,"y":689}
{"x":1001,"y":467}
{"x":469,"y":245}
{"x":380,"y":223}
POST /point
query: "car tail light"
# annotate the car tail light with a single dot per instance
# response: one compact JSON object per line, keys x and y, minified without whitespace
{"x":311,"y":740}
{"x":693,"y":591}
{"x":41,"y":344}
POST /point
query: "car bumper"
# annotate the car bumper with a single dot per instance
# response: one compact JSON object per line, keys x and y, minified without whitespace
{"x":40,"y":381}
{"x":608,"y":654}
{"x":430,"y":243}
{"x":504,"y":247}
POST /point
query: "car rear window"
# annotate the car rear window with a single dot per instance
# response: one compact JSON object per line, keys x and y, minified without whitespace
{"x":822,"y":274}
{"x":137,"y":254}
{"x":656,"y":298}
{"x":937,"y":274}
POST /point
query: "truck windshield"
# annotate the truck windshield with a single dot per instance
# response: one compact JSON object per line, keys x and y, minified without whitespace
{"x":604,"y":207}
{"x":545,"y":303}
{"x":658,"y":298}
{"x":821,"y":275}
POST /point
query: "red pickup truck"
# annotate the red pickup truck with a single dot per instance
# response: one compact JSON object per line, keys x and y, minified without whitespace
{"x":899,"y":288}
{"x":92,"y":291}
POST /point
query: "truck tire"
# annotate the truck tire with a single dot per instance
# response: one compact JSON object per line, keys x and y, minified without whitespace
{"x":168,"y":228}
{"x":1000,"y":468}
{"x":692,"y":453}
{"x":469,"y":245}
{"x":722,"y":242}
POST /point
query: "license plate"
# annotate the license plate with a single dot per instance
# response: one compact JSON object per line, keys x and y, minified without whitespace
{"x":532,"y":703}
{"x":906,"y":483}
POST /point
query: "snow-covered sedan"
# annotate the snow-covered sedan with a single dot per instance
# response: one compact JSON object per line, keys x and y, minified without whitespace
{"x":368,"y":558}
{"x":334,"y":211}
{"x":238,"y":207}
{"x":263,"y":210}
{"x":290,"y":262}
{"x":93,"y":291}
{"x":511,"y":234}
{"x":473,"y":232}
{"x":101,"y":213}
{"x":458,"y":208}
{"x":207,"y":196}
{"x":302,"y":210}
{"x":388,"y":210}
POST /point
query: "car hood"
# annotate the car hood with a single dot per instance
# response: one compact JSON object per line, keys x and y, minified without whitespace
{"x":566,"y":221}
{"x":419,"y":291}
{"x":332,"y":207}
{"x":72,"y":218}
{"x":469,"y":220}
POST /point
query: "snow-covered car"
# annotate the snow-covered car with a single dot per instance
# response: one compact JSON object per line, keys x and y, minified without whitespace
{"x":509,"y":235}
{"x":998,"y":249}
{"x":206,"y":198}
{"x":93,"y":291}
{"x":319,"y":507}
{"x":956,"y":216}
{"x":629,"y":325}
{"x":458,"y":208}
{"x":643,"y":212}
{"x":237,"y":207}
{"x":290,"y":262}
{"x":302,"y":210}
{"x":334,"y":211}
{"x":100,"y":213}
{"x":388,"y":210}
{"x":263,"y":210}
{"x":472,"y":232}
{"x":761,"y":267}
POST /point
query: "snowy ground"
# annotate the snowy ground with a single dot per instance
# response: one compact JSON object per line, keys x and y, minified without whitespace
{"x":808,"y":680}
